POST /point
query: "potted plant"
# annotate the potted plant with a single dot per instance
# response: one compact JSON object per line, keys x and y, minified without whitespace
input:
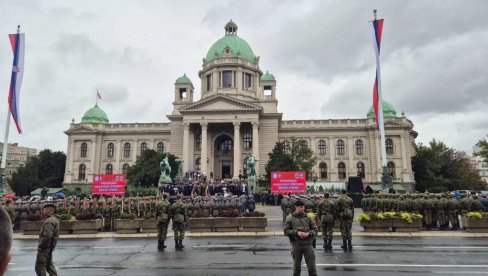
{"x":32,"y":224}
{"x":407,"y":222}
{"x":253,"y":222}
{"x":127,"y":223}
{"x":375,"y":222}
{"x":66,"y":223}
{"x":87,"y":223}
{"x":476,"y":222}
{"x":149,"y":224}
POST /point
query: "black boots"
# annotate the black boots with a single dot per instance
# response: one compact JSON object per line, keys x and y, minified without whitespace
{"x":161,"y":245}
{"x":344,"y":244}
{"x":179,"y":244}
{"x":328,"y":244}
{"x":349,"y":244}
{"x":314,"y":243}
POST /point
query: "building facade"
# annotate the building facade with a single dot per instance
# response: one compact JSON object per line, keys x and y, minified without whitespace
{"x":16,"y":157}
{"x":237,"y":114}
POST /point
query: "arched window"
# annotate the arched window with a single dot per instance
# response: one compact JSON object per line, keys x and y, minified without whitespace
{"x":125,"y":168}
{"x":143,"y":147}
{"x":127,"y":150}
{"x":286,"y":147}
{"x":110,"y":150}
{"x":340,"y":147}
{"x":391,"y":169}
{"x":198,"y":141}
{"x":109,"y":169}
{"x":341,"y":170}
{"x":389,"y":146}
{"x":247,"y":140}
{"x":303,"y":144}
{"x":197,"y":164}
{"x":360,"y":168}
{"x":322,"y":147}
{"x":81,"y":172}
{"x":359,"y":147}
{"x":323,"y":170}
{"x":226,"y":145}
{"x":160,"y":148}
{"x":84,"y":150}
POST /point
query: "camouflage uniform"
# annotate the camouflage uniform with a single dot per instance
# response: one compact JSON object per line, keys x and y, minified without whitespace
{"x":345,"y":212}
{"x":179,"y":217}
{"x":162,"y":216}
{"x":326,"y":214}
{"x":301,"y":247}
{"x":48,"y":239}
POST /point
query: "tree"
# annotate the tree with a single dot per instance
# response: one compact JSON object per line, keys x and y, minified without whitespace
{"x":483,"y":150}
{"x":299,"y":158}
{"x":146,"y":172}
{"x":44,"y":170}
{"x":440,"y":168}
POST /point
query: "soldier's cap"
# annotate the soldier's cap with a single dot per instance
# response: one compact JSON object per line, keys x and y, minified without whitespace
{"x":49,"y":205}
{"x":299,"y":203}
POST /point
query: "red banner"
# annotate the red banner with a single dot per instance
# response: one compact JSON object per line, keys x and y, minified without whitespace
{"x":109,"y":184}
{"x":288,"y":182}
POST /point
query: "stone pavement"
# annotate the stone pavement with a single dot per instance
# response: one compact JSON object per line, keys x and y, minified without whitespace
{"x":275,"y":228}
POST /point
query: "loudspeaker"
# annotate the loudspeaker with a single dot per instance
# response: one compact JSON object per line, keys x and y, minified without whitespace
{"x":356,"y":199}
{"x":355,"y":185}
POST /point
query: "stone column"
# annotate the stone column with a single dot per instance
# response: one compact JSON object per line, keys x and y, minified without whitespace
{"x":92,"y":158}
{"x":117,"y":157}
{"x":333,"y":172}
{"x":255,"y":145}
{"x":404,"y":167}
{"x":186,"y":145}
{"x":72,"y":158}
{"x":237,"y":149}
{"x":350,"y":154}
{"x":204,"y":147}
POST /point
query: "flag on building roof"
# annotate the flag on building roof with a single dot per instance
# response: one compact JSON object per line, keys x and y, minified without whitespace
{"x":18,"y":46}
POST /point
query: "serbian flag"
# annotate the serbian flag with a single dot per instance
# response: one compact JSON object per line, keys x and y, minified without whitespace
{"x":18,"y":46}
{"x":98,"y":95}
{"x":378,"y":29}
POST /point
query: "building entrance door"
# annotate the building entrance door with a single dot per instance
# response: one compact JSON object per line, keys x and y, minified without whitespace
{"x":226,"y":169}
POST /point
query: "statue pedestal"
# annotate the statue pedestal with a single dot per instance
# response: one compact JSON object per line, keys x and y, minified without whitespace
{"x":251,"y":186}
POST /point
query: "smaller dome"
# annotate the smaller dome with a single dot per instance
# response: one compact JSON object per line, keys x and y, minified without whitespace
{"x":183,"y":80}
{"x":267,"y":77}
{"x":388,"y":111}
{"x":95,"y":115}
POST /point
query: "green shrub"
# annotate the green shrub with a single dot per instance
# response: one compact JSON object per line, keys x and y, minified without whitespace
{"x":127,"y":216}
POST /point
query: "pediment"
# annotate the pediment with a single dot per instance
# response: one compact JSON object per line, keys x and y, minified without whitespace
{"x":80,"y":129}
{"x":220,"y":103}
{"x":393,"y":124}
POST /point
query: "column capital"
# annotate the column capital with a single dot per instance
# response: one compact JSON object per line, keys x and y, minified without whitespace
{"x":236,"y":124}
{"x":186,"y":125}
{"x":255,"y":124}
{"x":204,"y":124}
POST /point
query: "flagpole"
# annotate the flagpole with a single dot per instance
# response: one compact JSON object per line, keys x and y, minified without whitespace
{"x":381,"y":125}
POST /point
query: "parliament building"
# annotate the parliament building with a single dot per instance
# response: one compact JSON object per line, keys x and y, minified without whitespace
{"x":238,"y":114}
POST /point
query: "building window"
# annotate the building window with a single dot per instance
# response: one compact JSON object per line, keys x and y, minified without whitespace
{"x":342,"y":170}
{"x":198,"y":141}
{"x":110,"y":150}
{"x":322,"y":148}
{"x":340,"y":147}
{"x":286,"y":147}
{"x":226,"y":145}
{"x":389,"y":146}
{"x":125,"y":168}
{"x":143,"y":147}
{"x":303,"y":144}
{"x":247,"y":141}
{"x":209,"y":82}
{"x":81,"y":172}
{"x":227,"y":79}
{"x":84,"y":150}
{"x":197,"y":164}
{"x":127,"y":150}
{"x":323,"y":170}
{"x":247,"y":81}
{"x":391,"y":169}
{"x":160,"y":148}
{"x":109,"y":169}
{"x":359,"y":147}
{"x":360,"y":168}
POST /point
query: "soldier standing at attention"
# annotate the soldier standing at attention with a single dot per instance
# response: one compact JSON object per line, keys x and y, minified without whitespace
{"x":48,"y":239}
{"x":179,"y":217}
{"x":301,"y":230}
{"x":326,"y":213}
{"x":162,"y":215}
{"x":345,"y":211}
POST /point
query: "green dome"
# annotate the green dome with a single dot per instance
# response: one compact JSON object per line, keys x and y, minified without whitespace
{"x":388,"y":111}
{"x":95,"y":115}
{"x":237,"y":45}
{"x":267,"y":77}
{"x":183,"y":80}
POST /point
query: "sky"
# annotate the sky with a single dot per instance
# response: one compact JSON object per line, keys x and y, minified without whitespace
{"x":434,"y":58}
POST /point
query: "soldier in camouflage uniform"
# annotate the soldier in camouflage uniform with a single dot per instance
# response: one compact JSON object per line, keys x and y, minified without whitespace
{"x":179,"y":217}
{"x":10,"y":210}
{"x":427,"y":206}
{"x":301,"y":230}
{"x":326,"y":214}
{"x":345,"y":212}
{"x":162,"y":216}
{"x":48,"y":239}
{"x":452,"y":212}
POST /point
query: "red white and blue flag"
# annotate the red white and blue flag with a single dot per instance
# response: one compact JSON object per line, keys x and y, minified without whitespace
{"x":378,"y":29}
{"x":18,"y":46}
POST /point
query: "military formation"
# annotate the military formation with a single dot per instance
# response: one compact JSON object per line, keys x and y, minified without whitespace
{"x":438,"y":210}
